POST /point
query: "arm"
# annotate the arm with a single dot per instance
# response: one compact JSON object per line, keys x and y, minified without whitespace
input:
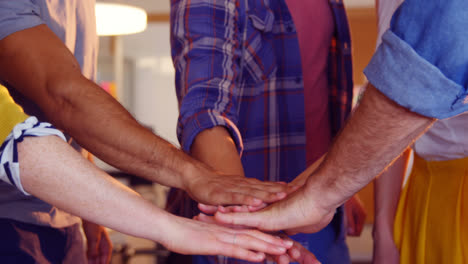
{"x":97,"y":121}
{"x":216,"y":148}
{"x":387,"y":195}
{"x":376,"y":134}
{"x":354,"y":209}
{"x":54,"y":172}
{"x":417,"y":82}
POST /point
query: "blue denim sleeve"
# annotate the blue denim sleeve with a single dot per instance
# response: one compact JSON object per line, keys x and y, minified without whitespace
{"x":422,"y":63}
{"x":18,"y":15}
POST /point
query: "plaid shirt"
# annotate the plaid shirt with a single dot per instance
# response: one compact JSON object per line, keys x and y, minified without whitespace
{"x":239,"y":66}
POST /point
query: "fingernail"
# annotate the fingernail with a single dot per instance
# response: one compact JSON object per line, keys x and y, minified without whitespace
{"x":296,"y":254}
{"x":281,"y":249}
{"x":260,"y":256}
{"x":288,"y":243}
{"x":257,"y":201}
{"x":281,"y":194}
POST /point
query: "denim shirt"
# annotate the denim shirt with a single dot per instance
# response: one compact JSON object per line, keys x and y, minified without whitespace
{"x":422,"y":63}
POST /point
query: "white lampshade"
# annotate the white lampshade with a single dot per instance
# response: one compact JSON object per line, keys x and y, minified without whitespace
{"x":118,"y":19}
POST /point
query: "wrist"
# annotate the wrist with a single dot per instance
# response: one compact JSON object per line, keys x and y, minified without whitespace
{"x":382,"y":228}
{"x":191,"y":172}
{"x":323,"y":193}
{"x":160,"y":228}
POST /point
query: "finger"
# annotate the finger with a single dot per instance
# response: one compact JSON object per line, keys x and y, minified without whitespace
{"x":234,"y":208}
{"x":207,"y":209}
{"x":302,"y":229}
{"x":283,"y":259}
{"x":275,"y":240}
{"x":235,"y":251}
{"x":245,"y":219}
{"x":210,"y":220}
{"x":262,"y":194}
{"x":308,"y":258}
{"x":252,"y":184}
{"x":267,"y":185}
{"x":293,"y":187}
{"x":254,"y":243}
{"x":294,"y":253}
{"x":230,"y":198}
{"x":257,"y":208}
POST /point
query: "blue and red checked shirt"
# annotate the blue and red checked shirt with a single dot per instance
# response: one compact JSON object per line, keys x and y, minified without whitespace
{"x":238,"y":65}
{"x":240,"y":68}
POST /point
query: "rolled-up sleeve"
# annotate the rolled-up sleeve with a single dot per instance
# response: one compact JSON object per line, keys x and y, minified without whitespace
{"x":18,"y":15}
{"x":422,"y":63}
{"x":9,"y":160}
{"x":205,"y":52}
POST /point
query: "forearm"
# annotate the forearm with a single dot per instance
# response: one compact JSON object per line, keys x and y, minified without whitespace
{"x":387,"y":188}
{"x":57,"y":174}
{"x":52,"y":79}
{"x":376,"y":134}
{"x":108,"y":131}
{"x":216,"y":148}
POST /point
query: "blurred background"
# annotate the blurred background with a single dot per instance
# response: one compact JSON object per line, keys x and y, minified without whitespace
{"x":137,"y":69}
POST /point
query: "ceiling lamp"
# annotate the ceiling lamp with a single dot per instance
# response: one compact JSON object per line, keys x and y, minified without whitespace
{"x":118,"y":19}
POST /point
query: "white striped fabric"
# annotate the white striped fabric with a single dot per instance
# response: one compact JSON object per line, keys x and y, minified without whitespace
{"x":9,"y":163}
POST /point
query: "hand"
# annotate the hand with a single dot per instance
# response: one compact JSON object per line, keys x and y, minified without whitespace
{"x":188,"y":236}
{"x":296,"y":253}
{"x":299,"y":212}
{"x":212,"y":209}
{"x":218,"y":189}
{"x":355,"y":216}
{"x":99,"y":245}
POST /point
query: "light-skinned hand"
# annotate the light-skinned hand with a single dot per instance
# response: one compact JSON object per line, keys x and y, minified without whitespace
{"x":300,"y":212}
{"x":297,"y":253}
{"x":188,"y":236}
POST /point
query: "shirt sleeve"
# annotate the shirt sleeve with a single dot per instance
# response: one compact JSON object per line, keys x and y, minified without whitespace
{"x":205,"y":51}
{"x":422,"y":63}
{"x":9,"y":161}
{"x":18,"y":15}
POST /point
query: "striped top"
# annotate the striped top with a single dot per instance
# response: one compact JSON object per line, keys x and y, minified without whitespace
{"x":14,"y":126}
